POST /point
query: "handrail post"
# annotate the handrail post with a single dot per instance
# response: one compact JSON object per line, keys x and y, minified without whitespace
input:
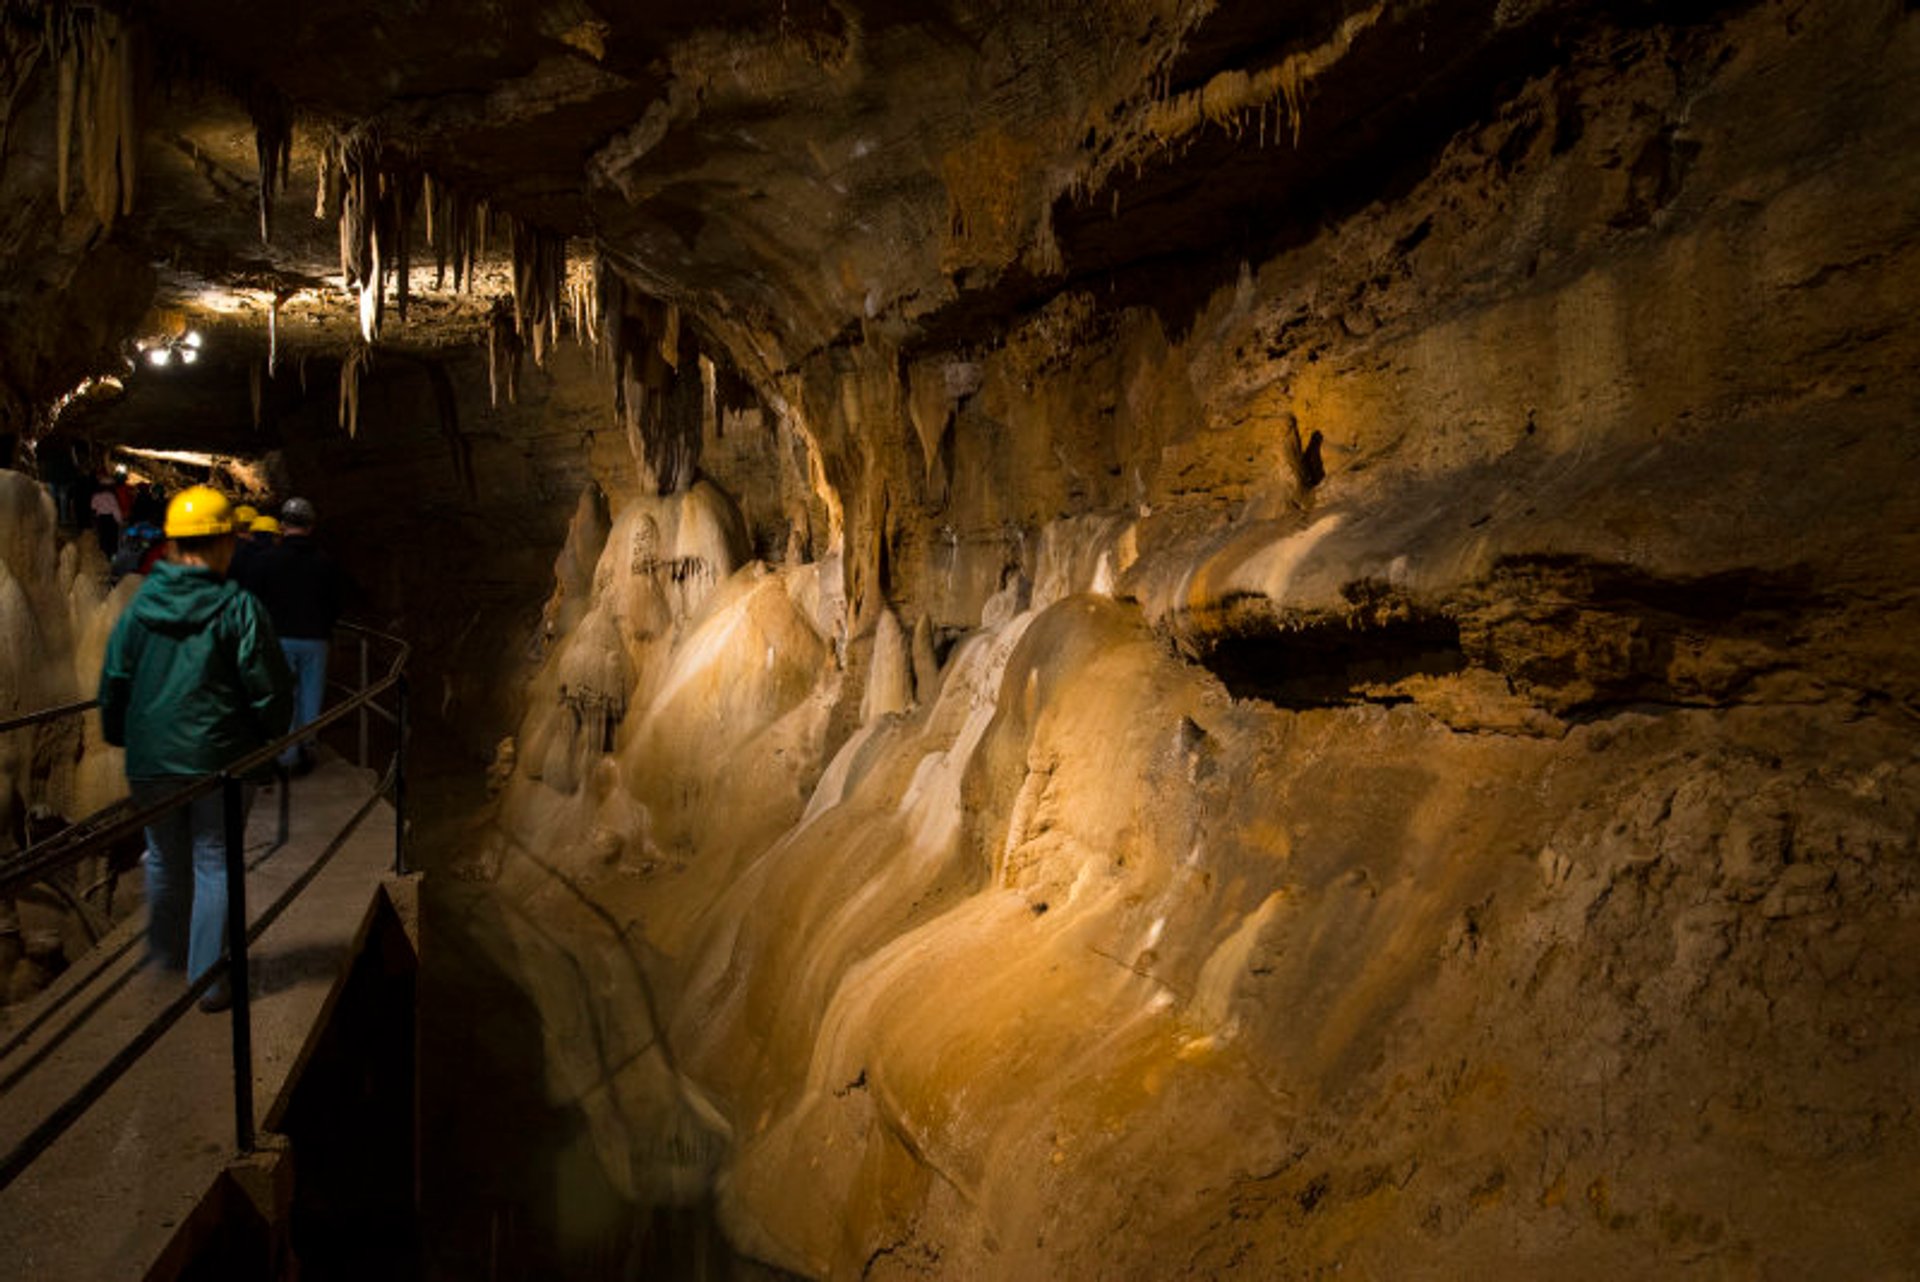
{"x":363,"y":707}
{"x":400,"y":779}
{"x":285,"y":778}
{"x":236,"y":825}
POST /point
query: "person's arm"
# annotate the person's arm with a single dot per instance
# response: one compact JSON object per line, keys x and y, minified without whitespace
{"x":263,"y":668}
{"x":116,"y":681}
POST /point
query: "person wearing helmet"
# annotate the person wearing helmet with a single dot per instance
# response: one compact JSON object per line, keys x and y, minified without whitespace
{"x":193,"y":680}
{"x":256,"y":534}
{"x":304,"y":590}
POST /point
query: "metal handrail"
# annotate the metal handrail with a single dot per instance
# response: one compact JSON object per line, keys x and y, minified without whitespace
{"x":122,"y":819}
{"x":46,"y":715}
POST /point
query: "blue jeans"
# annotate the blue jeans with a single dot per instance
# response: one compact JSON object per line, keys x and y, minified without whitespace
{"x":186,"y":877}
{"x":308,"y":659}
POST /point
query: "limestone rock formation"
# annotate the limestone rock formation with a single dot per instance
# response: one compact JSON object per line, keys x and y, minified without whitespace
{"x":1141,"y":640}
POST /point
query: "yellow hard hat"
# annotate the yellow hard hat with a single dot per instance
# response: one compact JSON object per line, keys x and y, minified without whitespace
{"x":263,"y":525}
{"x":244,"y":517}
{"x":198,"y":513}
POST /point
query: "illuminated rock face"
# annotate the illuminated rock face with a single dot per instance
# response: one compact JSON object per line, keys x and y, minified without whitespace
{"x":56,"y":613}
{"x":1479,"y":842}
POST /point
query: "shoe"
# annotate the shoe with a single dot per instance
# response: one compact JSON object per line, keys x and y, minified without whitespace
{"x":217,"y":998}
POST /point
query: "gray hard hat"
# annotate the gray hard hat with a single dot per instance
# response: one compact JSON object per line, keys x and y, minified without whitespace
{"x":297,"y":512}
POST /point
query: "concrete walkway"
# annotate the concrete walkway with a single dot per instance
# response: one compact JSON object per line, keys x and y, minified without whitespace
{"x":110,"y":1197}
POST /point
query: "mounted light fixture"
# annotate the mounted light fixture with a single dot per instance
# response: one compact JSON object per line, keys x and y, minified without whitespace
{"x":161,"y":352}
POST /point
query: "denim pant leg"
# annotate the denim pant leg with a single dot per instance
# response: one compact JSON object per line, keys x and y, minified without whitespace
{"x":169,"y":875}
{"x":187,"y":878}
{"x":308,"y":659}
{"x":209,"y":936}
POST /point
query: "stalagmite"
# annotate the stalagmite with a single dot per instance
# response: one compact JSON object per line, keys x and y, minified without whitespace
{"x":890,"y":678}
{"x":926,"y":665}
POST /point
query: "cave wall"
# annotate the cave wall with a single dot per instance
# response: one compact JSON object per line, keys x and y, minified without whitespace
{"x":1407,"y":765}
{"x":56,"y":612}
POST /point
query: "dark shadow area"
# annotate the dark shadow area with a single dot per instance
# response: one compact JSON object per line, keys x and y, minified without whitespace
{"x":1590,"y":638}
{"x":353,"y":1121}
{"x":1325,"y":665}
{"x":511,"y":1187}
{"x":231,"y":1239}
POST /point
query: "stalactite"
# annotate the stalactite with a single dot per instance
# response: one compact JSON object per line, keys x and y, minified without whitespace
{"x":359,"y":164}
{"x":84,"y":114}
{"x":448,"y":406}
{"x":582,"y":299}
{"x":273,"y":147}
{"x":352,"y":370}
{"x":732,"y":393}
{"x":120,"y":65}
{"x":94,"y":56}
{"x":539,"y":283}
{"x":656,"y":391}
{"x":670,"y":336}
{"x":453,"y":232}
{"x":255,"y":391}
{"x":63,"y":126}
{"x":279,"y":300}
{"x":503,"y":353}
{"x":405,"y":191}
{"x":93,"y":51}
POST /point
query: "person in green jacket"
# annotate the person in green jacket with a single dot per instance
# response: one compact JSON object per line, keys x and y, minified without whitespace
{"x":193,"y":680}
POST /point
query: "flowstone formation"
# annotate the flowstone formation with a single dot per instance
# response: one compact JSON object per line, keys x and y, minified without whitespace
{"x":1407,"y":765}
{"x":56,"y":612}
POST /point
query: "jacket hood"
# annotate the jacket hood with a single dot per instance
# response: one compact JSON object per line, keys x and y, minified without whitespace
{"x":180,"y":598}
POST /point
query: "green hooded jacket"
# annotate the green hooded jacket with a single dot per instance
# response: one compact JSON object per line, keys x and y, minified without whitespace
{"x":194,"y":677}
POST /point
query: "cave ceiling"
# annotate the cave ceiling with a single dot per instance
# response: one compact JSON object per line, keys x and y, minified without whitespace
{"x":792,"y":176}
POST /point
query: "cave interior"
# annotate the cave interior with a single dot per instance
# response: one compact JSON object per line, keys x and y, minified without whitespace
{"x":1135,"y":639}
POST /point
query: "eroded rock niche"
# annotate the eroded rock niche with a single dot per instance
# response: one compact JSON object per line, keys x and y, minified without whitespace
{"x":1406,"y":766}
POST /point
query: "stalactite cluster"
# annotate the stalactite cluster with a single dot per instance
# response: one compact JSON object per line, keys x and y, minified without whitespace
{"x":503,"y":353}
{"x":539,"y":286}
{"x":649,"y":350}
{"x":457,"y":226}
{"x":94,"y":58}
{"x":374,"y":206}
